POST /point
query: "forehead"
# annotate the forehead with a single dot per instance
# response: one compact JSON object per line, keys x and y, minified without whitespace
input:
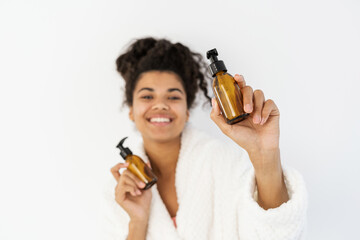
{"x":159,"y":80}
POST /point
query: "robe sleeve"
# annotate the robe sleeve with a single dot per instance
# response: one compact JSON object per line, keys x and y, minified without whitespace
{"x":114,"y":221}
{"x":288,"y":221}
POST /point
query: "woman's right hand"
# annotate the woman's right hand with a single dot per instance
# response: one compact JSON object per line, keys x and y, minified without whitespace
{"x":128,"y":193}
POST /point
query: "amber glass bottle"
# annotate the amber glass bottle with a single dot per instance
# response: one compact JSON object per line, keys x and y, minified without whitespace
{"x":226,"y":90}
{"x":137,"y":166}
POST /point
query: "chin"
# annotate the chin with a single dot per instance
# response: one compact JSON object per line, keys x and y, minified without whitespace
{"x":162,"y":136}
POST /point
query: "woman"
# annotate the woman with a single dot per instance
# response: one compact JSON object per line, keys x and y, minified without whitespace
{"x":209,"y":189}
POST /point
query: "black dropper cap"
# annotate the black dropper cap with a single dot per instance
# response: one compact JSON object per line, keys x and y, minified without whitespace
{"x":216,"y":65}
{"x":124,"y":152}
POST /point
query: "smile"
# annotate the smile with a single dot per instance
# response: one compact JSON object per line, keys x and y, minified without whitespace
{"x":160,"y":120}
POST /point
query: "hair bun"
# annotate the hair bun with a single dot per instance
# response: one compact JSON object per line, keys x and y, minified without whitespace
{"x":126,"y":64}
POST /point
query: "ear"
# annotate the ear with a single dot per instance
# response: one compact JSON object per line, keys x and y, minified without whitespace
{"x":187,"y":115}
{"x":131,"y":116}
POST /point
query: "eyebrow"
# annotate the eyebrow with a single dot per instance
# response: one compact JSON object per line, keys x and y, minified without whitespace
{"x":175,"y":89}
{"x":146,"y":88}
{"x":169,"y":90}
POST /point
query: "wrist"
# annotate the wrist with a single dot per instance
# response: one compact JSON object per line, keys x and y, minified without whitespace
{"x":266,"y":162}
{"x":138,"y":222}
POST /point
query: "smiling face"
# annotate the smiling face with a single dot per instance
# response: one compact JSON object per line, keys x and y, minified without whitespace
{"x":159,"y":107}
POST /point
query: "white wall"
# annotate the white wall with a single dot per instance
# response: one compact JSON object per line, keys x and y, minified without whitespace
{"x":60,"y":99}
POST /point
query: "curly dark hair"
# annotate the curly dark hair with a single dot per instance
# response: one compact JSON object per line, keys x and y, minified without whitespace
{"x":148,"y":54}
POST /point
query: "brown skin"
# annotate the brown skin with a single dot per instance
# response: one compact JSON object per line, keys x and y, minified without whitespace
{"x":157,"y":94}
{"x":128,"y":195}
{"x":259,"y":136}
{"x":134,"y":201}
{"x":154,"y":96}
{"x":160,"y":94}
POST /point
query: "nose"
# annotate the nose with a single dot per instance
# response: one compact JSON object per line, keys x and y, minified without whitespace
{"x":160,"y":105}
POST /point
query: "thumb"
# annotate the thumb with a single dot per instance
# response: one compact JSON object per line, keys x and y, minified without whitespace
{"x":148,"y":163}
{"x":218,"y":118}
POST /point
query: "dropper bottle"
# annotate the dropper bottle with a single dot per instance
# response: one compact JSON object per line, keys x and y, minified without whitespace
{"x":226,"y":90}
{"x":137,"y":166}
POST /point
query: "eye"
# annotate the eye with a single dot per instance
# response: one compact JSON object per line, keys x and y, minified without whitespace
{"x":174,"y":98}
{"x":146,"y":97}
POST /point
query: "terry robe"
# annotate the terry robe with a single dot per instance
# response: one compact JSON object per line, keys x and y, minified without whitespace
{"x":217,"y":197}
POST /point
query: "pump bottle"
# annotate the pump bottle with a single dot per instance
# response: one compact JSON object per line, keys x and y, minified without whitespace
{"x":226,"y":90}
{"x":137,"y":166}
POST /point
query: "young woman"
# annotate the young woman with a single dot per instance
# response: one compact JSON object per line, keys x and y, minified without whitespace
{"x":205,"y":189}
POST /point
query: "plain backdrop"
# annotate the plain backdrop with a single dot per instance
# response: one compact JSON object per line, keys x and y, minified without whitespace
{"x":61,"y":112}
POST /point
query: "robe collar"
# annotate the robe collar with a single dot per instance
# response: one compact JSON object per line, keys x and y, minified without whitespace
{"x":161,"y":226}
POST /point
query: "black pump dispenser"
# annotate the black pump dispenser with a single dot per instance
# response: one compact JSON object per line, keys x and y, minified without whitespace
{"x":124,"y":152}
{"x":216,"y":65}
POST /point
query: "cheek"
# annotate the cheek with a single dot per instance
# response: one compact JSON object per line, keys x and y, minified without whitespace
{"x":181,"y":111}
{"x":139,"y":110}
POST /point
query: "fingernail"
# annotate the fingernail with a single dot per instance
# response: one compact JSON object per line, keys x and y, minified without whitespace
{"x":248,"y":108}
{"x":142,"y":184}
{"x":262,"y":121}
{"x":257,"y":119}
{"x":212,"y":101}
{"x":138,"y":192}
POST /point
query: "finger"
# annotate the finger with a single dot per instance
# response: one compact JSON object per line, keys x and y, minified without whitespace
{"x":130,"y":182}
{"x":115,"y":170}
{"x":247,"y":93}
{"x":134,"y":178}
{"x":240,"y":80}
{"x":258,"y":104}
{"x":269,"y":108}
{"x":217,"y":117}
{"x":125,"y":183}
{"x":126,"y":188}
{"x":149,"y":164}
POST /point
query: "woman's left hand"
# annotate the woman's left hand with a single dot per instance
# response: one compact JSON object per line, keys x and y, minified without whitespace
{"x":259,"y":133}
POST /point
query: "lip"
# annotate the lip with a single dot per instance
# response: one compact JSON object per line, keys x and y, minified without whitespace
{"x":160,"y":123}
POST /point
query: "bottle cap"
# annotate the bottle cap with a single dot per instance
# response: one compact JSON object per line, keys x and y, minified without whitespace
{"x":124,"y":152}
{"x":216,"y":65}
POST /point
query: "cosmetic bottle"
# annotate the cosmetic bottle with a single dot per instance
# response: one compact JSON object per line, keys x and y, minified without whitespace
{"x":226,"y":90}
{"x":137,"y":166}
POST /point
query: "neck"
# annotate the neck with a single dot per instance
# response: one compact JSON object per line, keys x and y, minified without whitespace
{"x":163,"y":156}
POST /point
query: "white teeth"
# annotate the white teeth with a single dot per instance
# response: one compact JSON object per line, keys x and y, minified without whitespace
{"x":159,"y":120}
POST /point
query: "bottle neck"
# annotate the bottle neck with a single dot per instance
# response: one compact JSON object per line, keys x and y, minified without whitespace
{"x":220,"y":73}
{"x":129,"y":156}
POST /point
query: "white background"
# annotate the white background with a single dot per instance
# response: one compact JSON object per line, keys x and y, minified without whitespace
{"x":60,"y":99}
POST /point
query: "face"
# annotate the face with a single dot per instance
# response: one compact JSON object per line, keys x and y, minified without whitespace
{"x":159,"y":107}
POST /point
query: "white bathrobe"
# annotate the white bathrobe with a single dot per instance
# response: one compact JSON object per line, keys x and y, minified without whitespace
{"x":216,"y":192}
